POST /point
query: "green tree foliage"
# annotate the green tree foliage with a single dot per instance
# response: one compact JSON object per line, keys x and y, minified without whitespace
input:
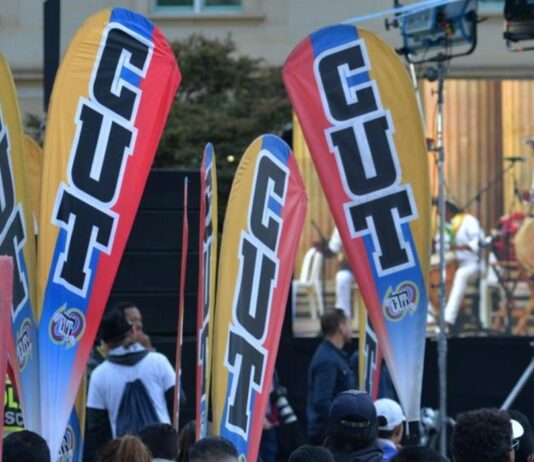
{"x":226,"y":99}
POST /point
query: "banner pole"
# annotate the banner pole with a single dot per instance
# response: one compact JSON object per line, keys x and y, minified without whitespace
{"x":442,"y":338}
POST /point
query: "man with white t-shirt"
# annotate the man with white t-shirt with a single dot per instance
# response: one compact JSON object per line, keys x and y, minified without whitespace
{"x":464,"y":239}
{"x":127,"y":362}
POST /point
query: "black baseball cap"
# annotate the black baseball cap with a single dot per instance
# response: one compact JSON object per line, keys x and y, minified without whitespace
{"x":352,"y":412}
{"x":114,"y":326}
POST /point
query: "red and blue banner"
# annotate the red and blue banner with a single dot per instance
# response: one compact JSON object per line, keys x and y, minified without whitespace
{"x":109,"y":105}
{"x":208,"y":228}
{"x":356,"y":105}
{"x":181,"y":308}
{"x":262,"y":228}
{"x":6,"y":301}
{"x":17,"y":241}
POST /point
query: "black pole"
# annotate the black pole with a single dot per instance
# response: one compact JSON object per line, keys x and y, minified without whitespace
{"x":51,"y":29}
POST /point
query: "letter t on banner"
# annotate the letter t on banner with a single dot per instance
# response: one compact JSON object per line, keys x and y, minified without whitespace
{"x":180,"y":330}
{"x":6,"y":295}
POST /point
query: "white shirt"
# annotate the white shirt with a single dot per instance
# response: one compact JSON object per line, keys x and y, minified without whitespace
{"x":109,"y":380}
{"x":334,"y":244}
{"x":469,"y":233}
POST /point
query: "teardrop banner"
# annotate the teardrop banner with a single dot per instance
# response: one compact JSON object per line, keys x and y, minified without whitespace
{"x":262,"y":228}
{"x":17,"y":241}
{"x":358,"y":111}
{"x":6,"y":295}
{"x":110,"y":102}
{"x":208,"y":229}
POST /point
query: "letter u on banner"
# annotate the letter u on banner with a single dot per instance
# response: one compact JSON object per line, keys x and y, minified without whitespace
{"x":355,"y":103}
{"x":262,"y":229}
{"x":110,"y":102}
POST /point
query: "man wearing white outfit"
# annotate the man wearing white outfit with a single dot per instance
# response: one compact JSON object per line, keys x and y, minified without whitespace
{"x":465,"y":237}
{"x":344,"y":276}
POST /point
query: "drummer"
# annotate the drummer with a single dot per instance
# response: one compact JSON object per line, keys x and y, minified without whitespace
{"x":464,"y":239}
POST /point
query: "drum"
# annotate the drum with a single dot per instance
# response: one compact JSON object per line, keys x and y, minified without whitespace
{"x":524,"y":245}
{"x":450,"y":267}
{"x":502,"y":243}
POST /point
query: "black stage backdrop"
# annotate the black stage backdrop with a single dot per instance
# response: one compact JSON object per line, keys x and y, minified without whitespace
{"x":481,"y":370}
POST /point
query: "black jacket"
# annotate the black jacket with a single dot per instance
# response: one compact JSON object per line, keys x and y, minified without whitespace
{"x":329,"y":374}
{"x":369,"y":454}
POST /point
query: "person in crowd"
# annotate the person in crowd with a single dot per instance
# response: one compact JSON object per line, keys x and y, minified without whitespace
{"x":417,"y":454}
{"x":309,"y":453}
{"x":162,"y":440}
{"x":344,"y":276}
{"x":351,"y":433}
{"x":131,"y":389}
{"x":390,"y":426}
{"x":329,"y":373}
{"x":484,"y":435}
{"x":464,"y":239}
{"x":25,"y":446}
{"x":133,"y":315}
{"x":186,"y":440}
{"x":524,"y":452}
{"x":213,"y":449}
{"x":129,"y":448}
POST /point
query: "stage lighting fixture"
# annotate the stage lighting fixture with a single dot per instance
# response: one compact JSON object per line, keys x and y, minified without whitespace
{"x":450,"y":28}
{"x":519,"y":23}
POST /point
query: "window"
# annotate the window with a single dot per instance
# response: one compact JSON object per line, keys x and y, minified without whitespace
{"x":199,"y":6}
{"x":491,"y":6}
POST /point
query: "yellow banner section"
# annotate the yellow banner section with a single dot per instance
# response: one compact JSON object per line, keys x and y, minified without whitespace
{"x":33,"y":156}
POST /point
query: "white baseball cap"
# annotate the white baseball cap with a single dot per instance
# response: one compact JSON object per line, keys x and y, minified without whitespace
{"x":389,"y":414}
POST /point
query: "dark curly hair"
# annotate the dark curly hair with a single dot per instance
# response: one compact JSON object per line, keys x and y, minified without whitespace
{"x":483,"y":435}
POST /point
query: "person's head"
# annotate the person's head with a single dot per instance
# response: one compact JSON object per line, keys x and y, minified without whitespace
{"x":186,"y":440}
{"x":524,"y":452}
{"x":25,"y":446}
{"x":116,"y":330}
{"x":483,"y":435}
{"x":351,"y":423}
{"x":311,"y":454}
{"x":417,"y":454}
{"x":213,"y":449}
{"x":451,"y":209}
{"x":133,"y":316}
{"x":336,"y":325}
{"x":390,"y":419}
{"x":126,"y":449}
{"x":161,"y":439}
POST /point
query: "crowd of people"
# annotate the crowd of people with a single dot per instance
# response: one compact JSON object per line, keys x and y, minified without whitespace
{"x":357,"y":430}
{"x":129,"y":409}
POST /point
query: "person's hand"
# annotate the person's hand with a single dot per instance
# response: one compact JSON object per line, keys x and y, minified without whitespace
{"x":144,"y":340}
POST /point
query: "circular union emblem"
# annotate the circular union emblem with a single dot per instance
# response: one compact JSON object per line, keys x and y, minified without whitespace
{"x":67,"y":326}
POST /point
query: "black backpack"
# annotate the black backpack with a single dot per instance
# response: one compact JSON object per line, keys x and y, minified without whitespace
{"x":136,"y":410}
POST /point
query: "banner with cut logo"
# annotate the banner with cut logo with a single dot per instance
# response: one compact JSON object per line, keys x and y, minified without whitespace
{"x":358,"y":111}
{"x":208,"y":229}
{"x":6,"y":294}
{"x":262,"y":228}
{"x":181,"y":308}
{"x":109,"y":105}
{"x":17,"y":241}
